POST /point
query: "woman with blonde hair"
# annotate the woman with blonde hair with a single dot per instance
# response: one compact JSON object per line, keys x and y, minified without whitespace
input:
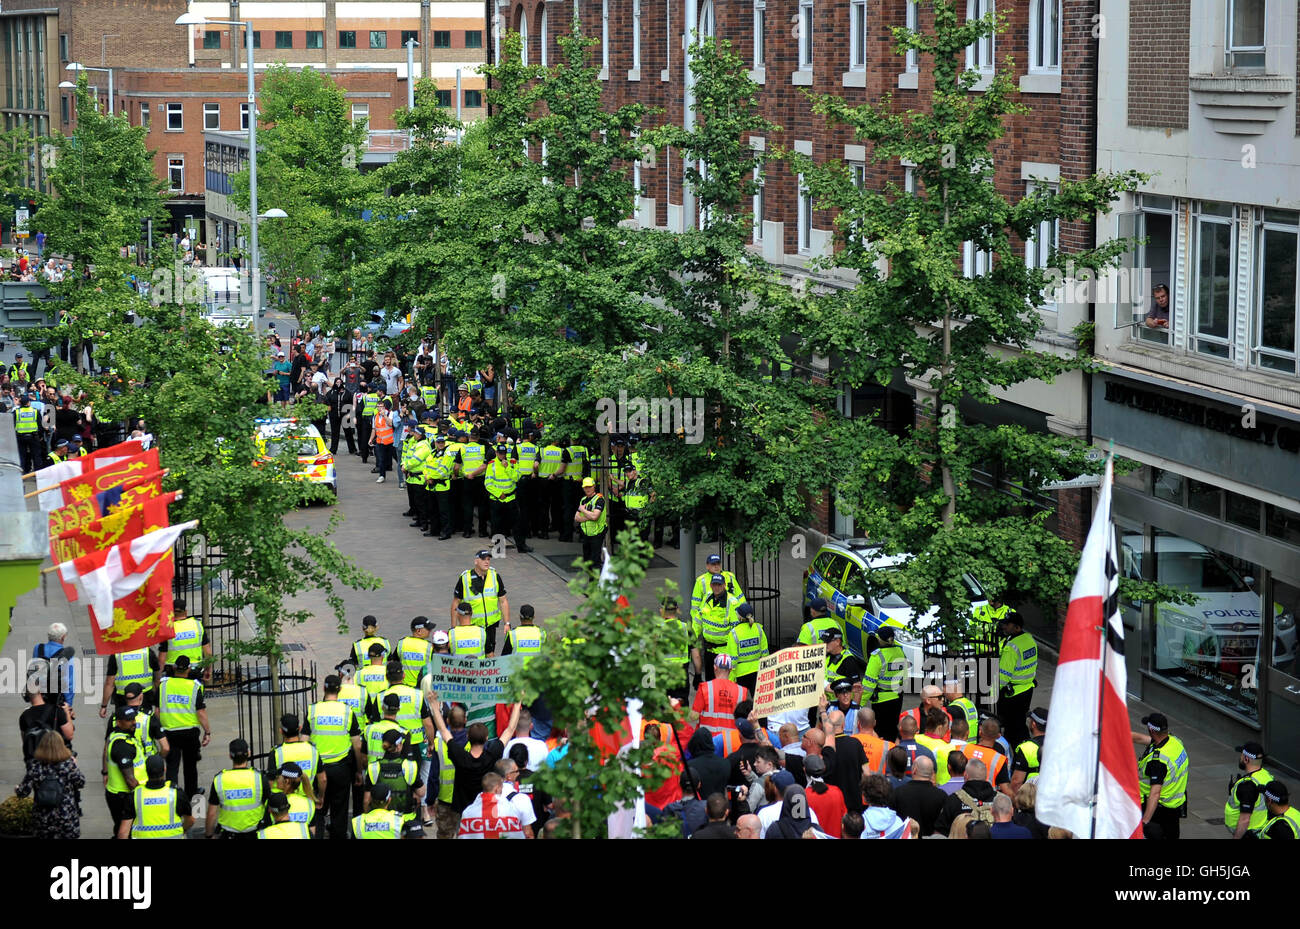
{"x":53,"y":776}
{"x":1025,"y":799}
{"x":958,"y":829}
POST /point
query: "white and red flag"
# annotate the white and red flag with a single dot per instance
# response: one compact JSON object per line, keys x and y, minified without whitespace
{"x":1089,"y":780}
{"x":55,"y":474}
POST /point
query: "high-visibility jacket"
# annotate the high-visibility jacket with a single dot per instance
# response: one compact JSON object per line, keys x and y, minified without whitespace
{"x":472,"y":457}
{"x":178,"y":703}
{"x":877,"y":751}
{"x":716,"y":620}
{"x":1018,"y":664}
{"x":303,"y":754}
{"x":552,"y":461}
{"x":285,"y":830}
{"x":993,"y":759}
{"x":635,"y":497}
{"x":429,"y":395}
{"x":26,"y":420}
{"x":940,"y":749}
{"x":374,"y":678}
{"x":414,"y":653}
{"x":399,"y":776}
{"x":301,"y":810}
{"x":373,"y":736}
{"x":438,"y":471}
{"x":681,"y":653}
{"x":115,"y":782}
{"x":704,"y":586}
{"x":354,"y":695}
{"x":187,"y":640}
{"x":446,"y":772}
{"x":377,"y":824}
{"x":883,"y":679}
{"x":811,"y":632}
{"x":453,"y":451}
{"x":331,"y":725}
{"x":528,"y":457}
{"x":1174,"y":792}
{"x":717,"y":701}
{"x":470,"y":641}
{"x":1232,"y":809}
{"x":486,"y":603}
{"x":526,"y":641}
{"x":145,"y":744}
{"x":500,"y":480}
{"x":155,"y":814}
{"x":1031,"y":750}
{"x":747,"y":646}
{"x":413,"y":455}
{"x":730,"y":742}
{"x":987,"y":614}
{"x":243,"y":803}
{"x":594,"y":527}
{"x":133,"y":668}
{"x":370,"y":402}
{"x":1291,"y":817}
{"x":967,"y":709}
{"x":577,"y":461}
{"x":361,"y":649}
{"x":833,"y":663}
{"x":409,"y":712}
{"x":383,"y":429}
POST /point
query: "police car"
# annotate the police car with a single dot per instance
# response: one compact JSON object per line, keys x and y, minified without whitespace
{"x":838,"y":574}
{"x":274,"y":436}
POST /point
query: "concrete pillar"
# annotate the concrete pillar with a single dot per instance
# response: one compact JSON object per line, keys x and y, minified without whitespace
{"x":426,"y":38}
{"x":331,"y":34}
{"x":236,"y":36}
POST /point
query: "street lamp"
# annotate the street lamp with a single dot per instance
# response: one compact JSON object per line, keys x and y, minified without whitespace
{"x":77,"y":66}
{"x":196,"y":19}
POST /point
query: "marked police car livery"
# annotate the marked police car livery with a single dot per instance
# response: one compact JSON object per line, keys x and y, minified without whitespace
{"x":314,"y":457}
{"x":838,"y":574}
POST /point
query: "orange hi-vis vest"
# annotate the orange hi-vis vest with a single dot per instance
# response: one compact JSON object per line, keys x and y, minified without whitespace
{"x":665,"y":730}
{"x":915,"y":713}
{"x":730,"y":741}
{"x":716,"y":703}
{"x":877,"y":750}
{"x":383,"y":429}
{"x":992,"y":758}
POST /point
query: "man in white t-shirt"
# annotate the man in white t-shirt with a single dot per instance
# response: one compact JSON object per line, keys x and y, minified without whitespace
{"x":772,"y":812}
{"x":537,"y":750}
{"x":522,"y":802}
{"x":491,"y":815}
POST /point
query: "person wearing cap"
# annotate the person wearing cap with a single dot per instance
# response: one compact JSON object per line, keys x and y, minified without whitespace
{"x":372,"y":739}
{"x":1017,"y":675}
{"x":394,"y":770}
{"x":374,"y":677}
{"x":415,"y":451}
{"x":359,"y":654}
{"x":482,"y":588}
{"x":138,"y":666}
{"x":76,"y":447}
{"x":283,"y":371}
{"x":843,"y":691}
{"x":367,"y":406}
{"x":1163,"y":771}
{"x":529,"y":456}
{"x":525,"y":639}
{"x":681,"y":650}
{"x":712,"y":621}
{"x":715,"y":700}
{"x":158,"y":811}
{"x":60,"y":452}
{"x":439,"y":469}
{"x":126,"y":766}
{"x":473,"y":465}
{"x":747,"y":646}
{"x":991,"y":613}
{"x":280,"y":808}
{"x":635,"y":500}
{"x":590,"y":518}
{"x":237,"y":800}
{"x":819,"y":620}
{"x":703,"y":583}
{"x":412,"y":715}
{"x":189,"y":639}
{"x":383,"y":435}
{"x":1028,"y":757}
{"x":549,"y":490}
{"x":296,"y":749}
{"x":501,"y":480}
{"x":148,"y":733}
{"x":354,"y":695}
{"x":413,"y":650}
{"x":882,"y":682}
{"x":1244,"y":811}
{"x":577,"y":466}
{"x":956,"y":705}
{"x":182,"y":711}
{"x":840,"y":663}
{"x":27,"y":425}
{"x":441,"y":642}
{"x":1284,"y":819}
{"x":467,"y":638}
{"x":334,"y":730}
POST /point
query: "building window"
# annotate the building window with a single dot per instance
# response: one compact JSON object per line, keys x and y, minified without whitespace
{"x":805,"y":218}
{"x":759,"y":195}
{"x":473,"y":38}
{"x":348,"y":39}
{"x":760,"y":21}
{"x":175,"y":117}
{"x":1277,"y":237}
{"x":443,"y":98}
{"x":63,"y":46}
{"x":243,"y":116}
{"x":212,"y":116}
{"x":858,"y":35}
{"x":442,"y":38}
{"x":1045,"y":37}
{"x":604,"y":35}
{"x":211,"y":38}
{"x":1214,"y":261}
{"x":805,"y":35}
{"x":979,"y":56}
{"x":63,"y":108}
{"x":909,"y":180}
{"x":975,"y":262}
{"x":409,"y":35}
{"x":315,"y":38}
{"x":283,"y":39}
{"x":144,"y":115}
{"x":473,"y":99}
{"x":913,"y":23}
{"x":636,"y":35}
{"x":523,"y":38}
{"x":257,"y":39}
{"x":175,"y":172}
{"x":378,"y":38}
{"x":542,"y":38}
{"x":1245,"y":34}
{"x":1040,"y":246}
{"x":360,"y":113}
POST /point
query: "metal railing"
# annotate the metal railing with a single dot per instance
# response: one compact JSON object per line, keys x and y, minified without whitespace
{"x":762,"y":590}
{"x":261,"y":699}
{"x":205,"y":585}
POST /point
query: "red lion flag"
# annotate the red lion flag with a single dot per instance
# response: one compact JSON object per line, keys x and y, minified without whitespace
{"x":127,"y":521}
{"x":1089,"y":780}
{"x":127,"y":589}
{"x":81,"y":464}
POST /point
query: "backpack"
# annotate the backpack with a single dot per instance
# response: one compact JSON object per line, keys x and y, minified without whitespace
{"x":32,"y":735}
{"x":49,"y":671}
{"x":979,"y":810}
{"x":49,"y":792}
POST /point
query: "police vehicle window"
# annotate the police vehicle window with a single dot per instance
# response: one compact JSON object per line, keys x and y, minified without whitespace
{"x":885,"y":598}
{"x":275,"y":447}
{"x":854,"y":585}
{"x":973,"y":587}
{"x":835,"y":571}
{"x":822,"y":563}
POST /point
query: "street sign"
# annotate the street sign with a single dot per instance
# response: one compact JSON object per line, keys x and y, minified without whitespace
{"x":21,"y":218}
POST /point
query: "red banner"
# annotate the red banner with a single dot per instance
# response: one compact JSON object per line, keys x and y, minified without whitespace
{"x":142,"y":619}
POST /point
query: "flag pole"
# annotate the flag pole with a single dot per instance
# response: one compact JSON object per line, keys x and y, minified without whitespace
{"x":33,"y":493}
{"x":1105,"y":645}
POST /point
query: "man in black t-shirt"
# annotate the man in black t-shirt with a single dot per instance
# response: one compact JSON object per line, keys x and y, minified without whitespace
{"x":477,"y":759}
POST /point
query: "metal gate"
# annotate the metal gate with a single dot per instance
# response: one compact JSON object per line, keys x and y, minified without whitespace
{"x":206,"y":586}
{"x":260,"y":702}
{"x":972,"y":661}
{"x":763,"y":590}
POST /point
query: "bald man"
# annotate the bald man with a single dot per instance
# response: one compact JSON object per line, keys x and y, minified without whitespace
{"x":850,"y":762}
{"x":919,"y":798}
{"x":749,"y":827}
{"x":873,"y":745}
{"x":931,"y":696}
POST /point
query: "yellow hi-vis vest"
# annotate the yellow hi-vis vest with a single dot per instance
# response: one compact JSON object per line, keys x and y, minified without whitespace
{"x":303,"y":754}
{"x":526,"y":641}
{"x":438,"y":470}
{"x":487,"y":605}
{"x":239,"y":791}
{"x":133,"y":668}
{"x":331,"y":721}
{"x":414,"y":653}
{"x":470,"y":641}
{"x":1232,"y":809}
{"x":747,"y":647}
{"x":1030,"y":750}
{"x":528,"y":452}
{"x":1291,"y":817}
{"x":374,"y":736}
{"x":967,"y":709}
{"x":940,"y":749}
{"x":715,"y":622}
{"x":155,"y":814}
{"x":552,"y":461}
{"x":285,"y":830}
{"x":446,"y":773}
{"x":115,"y":783}
{"x":408,"y":712}
{"x":27,"y":420}
{"x":377,"y":824}
{"x":178,"y":699}
{"x":500,"y":480}
{"x":883,"y":679}
{"x":187,"y":639}
{"x":597,"y":526}
{"x":1018,"y":663}
{"x":354,"y":696}
{"x":414,"y":454}
{"x":471,"y":458}
{"x":361,"y":649}
{"x":1174,"y":792}
{"x":374,"y":678}
{"x":577,"y":458}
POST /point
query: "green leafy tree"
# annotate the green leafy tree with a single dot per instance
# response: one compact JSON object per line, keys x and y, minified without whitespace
{"x":913,"y":311}
{"x":17,"y":151}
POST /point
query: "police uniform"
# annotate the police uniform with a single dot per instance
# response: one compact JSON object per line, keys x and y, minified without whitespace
{"x":882,"y":686}
{"x":747,"y":646}
{"x":529,"y":458}
{"x":550,"y":486}
{"x":439,"y":469}
{"x":331,"y":725}
{"x":483,"y":594}
{"x":1164,"y":765}
{"x":593,"y":530}
{"x":711,"y":625}
{"x":501,"y":482}
{"x":1017,"y":673}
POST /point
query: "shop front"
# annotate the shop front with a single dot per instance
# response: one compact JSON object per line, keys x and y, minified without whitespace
{"x":1214,"y":511}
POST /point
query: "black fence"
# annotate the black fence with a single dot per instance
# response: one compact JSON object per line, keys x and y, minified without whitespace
{"x":762,"y":588}
{"x":203,"y":582}
{"x":971,"y":660}
{"x":261,"y":699}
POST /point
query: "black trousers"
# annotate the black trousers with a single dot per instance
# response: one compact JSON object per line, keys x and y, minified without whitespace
{"x":637,"y":524}
{"x":572,"y":494}
{"x":442,"y":499}
{"x":363,"y":436}
{"x":29,"y":451}
{"x":591,"y":546}
{"x":524,"y":508}
{"x":473,"y":495}
{"x":338,"y":789}
{"x":183,"y":746}
{"x":1011,"y":713}
{"x":617,"y":519}
{"x":887,"y":718}
{"x":491,"y":645}
{"x":1165,"y":823}
{"x":120,"y":807}
{"x":554,"y":507}
{"x":415,"y":503}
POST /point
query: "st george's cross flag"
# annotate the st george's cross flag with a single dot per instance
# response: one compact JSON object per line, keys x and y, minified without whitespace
{"x":1087,"y":754}
{"x":62,"y":471}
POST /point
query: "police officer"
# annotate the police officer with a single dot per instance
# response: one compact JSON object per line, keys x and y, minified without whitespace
{"x":413,"y":716}
{"x":439,"y":469}
{"x":27,"y":424}
{"x":590,"y":518}
{"x":181,"y":712}
{"x":482,"y":588}
{"x":60,"y":452}
{"x":819,"y":621}
{"x":576,"y":470}
{"x":702,"y":588}
{"x":139,"y":666}
{"x":413,"y":650}
{"x":336,"y":733}
{"x":149,"y":738}
{"x":282,"y":827}
{"x":374,"y":677}
{"x":1017,"y":674}
{"x":747,"y":645}
{"x":380,"y":822}
{"x":550,"y":490}
{"x":635,"y":501}
{"x":473,"y":465}
{"x":525,"y":639}
{"x":359,"y":655}
{"x":882,"y":683}
{"x":1284,"y":819}
{"x":372,"y":741}
{"x":840,"y":664}
{"x":1163,"y":769}
{"x":125,"y":766}
{"x":501,"y":481}
{"x":1244,"y":812}
{"x":415,"y":449}
{"x":368,"y":399}
{"x":1028,"y":758}
{"x":467,"y":637}
{"x":959,"y":705}
{"x":189,"y":639}
{"x":991,"y":613}
{"x":296,"y":749}
{"x":529,"y":460}
{"x":158,"y":810}
{"x":237,"y":801}
{"x":684,"y":653}
{"x":712,"y":622}
{"x":394,"y":770}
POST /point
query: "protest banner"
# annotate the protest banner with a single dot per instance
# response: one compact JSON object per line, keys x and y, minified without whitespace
{"x":461,"y":679}
{"x":791,"y":679}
